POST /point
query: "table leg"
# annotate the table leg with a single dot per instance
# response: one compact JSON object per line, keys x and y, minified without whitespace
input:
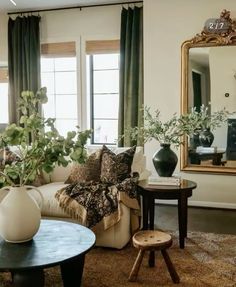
{"x":145,"y":212}
{"x":151,"y":259}
{"x":151,"y":204}
{"x":28,"y":278}
{"x":183,"y":217}
{"x":72,"y":271}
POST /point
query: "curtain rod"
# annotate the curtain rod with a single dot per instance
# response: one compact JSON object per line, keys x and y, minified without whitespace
{"x":73,"y":7}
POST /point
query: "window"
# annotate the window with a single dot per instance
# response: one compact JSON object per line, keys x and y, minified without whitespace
{"x":4,"y":114}
{"x":58,"y":74}
{"x":103,"y":90}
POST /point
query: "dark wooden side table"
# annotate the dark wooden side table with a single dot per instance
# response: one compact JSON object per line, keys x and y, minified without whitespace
{"x":151,"y":192}
{"x":56,"y":243}
{"x":197,"y":157}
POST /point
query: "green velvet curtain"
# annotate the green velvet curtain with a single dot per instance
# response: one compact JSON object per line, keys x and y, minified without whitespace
{"x":197,"y":94}
{"x":23,"y":59}
{"x":131,"y":73}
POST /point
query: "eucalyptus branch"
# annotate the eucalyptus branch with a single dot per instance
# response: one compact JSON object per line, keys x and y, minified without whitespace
{"x":46,"y":148}
{"x":25,"y":180}
{"x":32,"y":170}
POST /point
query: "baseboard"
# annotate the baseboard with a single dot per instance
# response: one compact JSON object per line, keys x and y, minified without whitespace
{"x":195,"y":203}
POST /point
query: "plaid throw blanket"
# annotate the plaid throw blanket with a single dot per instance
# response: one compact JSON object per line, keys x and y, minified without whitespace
{"x":97,"y":205}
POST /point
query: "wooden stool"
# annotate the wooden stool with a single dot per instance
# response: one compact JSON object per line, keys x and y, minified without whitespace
{"x":151,"y":240}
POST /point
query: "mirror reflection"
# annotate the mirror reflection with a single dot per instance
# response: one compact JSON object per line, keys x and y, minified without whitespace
{"x":212,"y":83}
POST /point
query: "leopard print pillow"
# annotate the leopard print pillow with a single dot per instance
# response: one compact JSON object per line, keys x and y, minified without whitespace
{"x":89,"y":171}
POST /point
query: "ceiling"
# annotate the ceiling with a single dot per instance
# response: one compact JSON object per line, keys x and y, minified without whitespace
{"x":26,"y":5}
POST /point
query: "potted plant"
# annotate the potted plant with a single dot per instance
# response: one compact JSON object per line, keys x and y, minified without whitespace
{"x":38,"y":148}
{"x":198,"y":125}
{"x":168,"y":133}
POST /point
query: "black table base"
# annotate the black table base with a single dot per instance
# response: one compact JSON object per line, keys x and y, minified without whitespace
{"x":28,"y":278}
{"x":72,"y":272}
{"x":150,"y":192}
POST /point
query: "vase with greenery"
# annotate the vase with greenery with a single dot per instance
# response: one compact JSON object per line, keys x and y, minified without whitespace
{"x":168,"y":133}
{"x":199,"y":124}
{"x":38,"y":148}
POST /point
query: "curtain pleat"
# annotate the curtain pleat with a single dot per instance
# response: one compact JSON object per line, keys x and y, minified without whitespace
{"x":131,"y":73}
{"x":23,"y":59}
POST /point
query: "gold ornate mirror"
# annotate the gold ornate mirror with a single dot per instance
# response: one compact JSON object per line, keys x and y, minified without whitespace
{"x":208,"y":77}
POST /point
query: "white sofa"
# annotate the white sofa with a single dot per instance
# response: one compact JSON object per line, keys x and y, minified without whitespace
{"x":116,"y":236}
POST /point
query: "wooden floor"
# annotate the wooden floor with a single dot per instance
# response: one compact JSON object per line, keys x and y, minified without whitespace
{"x":199,"y":219}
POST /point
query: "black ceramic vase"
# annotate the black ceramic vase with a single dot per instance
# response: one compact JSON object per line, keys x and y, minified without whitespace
{"x":194,"y":140}
{"x":165,"y":161}
{"x":206,"y":138}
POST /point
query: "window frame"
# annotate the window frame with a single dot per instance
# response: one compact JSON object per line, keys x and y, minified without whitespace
{"x":62,"y":50}
{"x":94,"y":48}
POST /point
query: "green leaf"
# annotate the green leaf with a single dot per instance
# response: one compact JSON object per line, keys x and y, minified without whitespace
{"x":47,"y":168}
{"x":62,"y":161}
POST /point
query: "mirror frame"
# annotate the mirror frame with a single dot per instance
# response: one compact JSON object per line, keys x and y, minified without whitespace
{"x":206,"y":38}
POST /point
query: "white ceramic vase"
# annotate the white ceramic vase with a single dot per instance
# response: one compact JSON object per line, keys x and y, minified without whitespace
{"x":20,"y":214}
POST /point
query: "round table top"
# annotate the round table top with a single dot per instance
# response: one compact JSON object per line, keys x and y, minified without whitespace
{"x":55,"y":242}
{"x":184,"y":185}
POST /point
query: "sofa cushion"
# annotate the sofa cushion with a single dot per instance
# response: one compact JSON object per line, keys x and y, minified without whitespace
{"x":89,"y":171}
{"x":116,"y":167}
{"x":59,"y":173}
{"x":50,"y":206}
{"x":139,"y":161}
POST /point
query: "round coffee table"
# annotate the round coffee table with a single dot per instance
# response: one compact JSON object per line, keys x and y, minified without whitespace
{"x":56,"y":243}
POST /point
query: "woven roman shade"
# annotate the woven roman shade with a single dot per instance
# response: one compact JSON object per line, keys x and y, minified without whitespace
{"x":62,"y":49}
{"x":102,"y":47}
{"x":3,"y":75}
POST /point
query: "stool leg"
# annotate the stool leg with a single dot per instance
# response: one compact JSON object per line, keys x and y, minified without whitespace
{"x":134,"y":272}
{"x":170,"y":266}
{"x":151,"y":259}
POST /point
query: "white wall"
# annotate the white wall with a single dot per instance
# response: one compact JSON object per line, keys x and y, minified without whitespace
{"x":223,"y":68}
{"x":166,"y":26}
{"x":88,"y":22}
